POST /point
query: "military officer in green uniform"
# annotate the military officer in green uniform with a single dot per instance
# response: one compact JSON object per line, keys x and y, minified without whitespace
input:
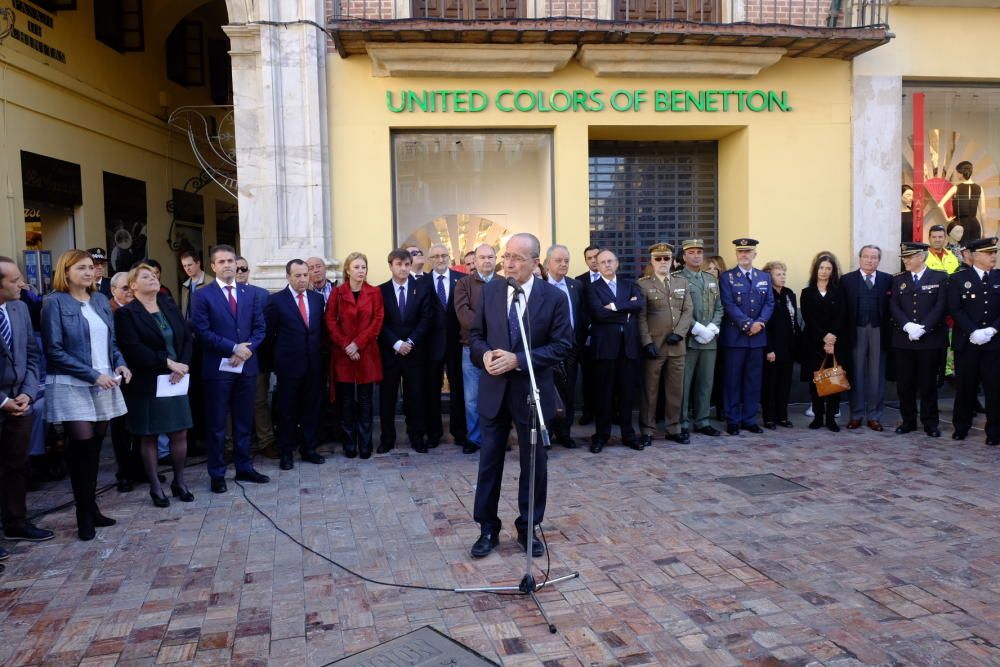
{"x":663,"y":324}
{"x":706,"y":318}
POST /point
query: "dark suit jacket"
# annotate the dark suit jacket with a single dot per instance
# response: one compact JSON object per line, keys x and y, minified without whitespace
{"x":581,"y":322}
{"x":614,"y":334}
{"x":852,"y":284}
{"x":143,"y":346}
{"x":297,"y":350}
{"x":218,"y":331}
{"x":974,"y":305}
{"x":105,"y":287}
{"x":926,"y":305}
{"x":19,"y":366}
{"x":444,"y":338}
{"x":784,"y":333}
{"x":551,"y":341}
{"x":415,"y":324}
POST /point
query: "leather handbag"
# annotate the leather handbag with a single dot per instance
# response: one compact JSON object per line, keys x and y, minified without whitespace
{"x":831,"y":380}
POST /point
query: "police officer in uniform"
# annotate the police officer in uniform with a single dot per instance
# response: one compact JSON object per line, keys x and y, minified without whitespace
{"x":974,"y":305}
{"x":706,"y":320}
{"x":918,"y":304}
{"x":663,"y":323}
{"x":748,"y":301}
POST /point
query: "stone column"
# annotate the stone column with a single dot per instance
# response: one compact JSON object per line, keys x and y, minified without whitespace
{"x":279,"y":95}
{"x":876,"y":166}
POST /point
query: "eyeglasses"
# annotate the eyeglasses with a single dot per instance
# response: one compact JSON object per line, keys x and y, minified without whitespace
{"x":517,"y":259}
{"x":445,"y":256}
{"x":662,"y":259}
{"x":414,"y":253}
{"x":242,"y":269}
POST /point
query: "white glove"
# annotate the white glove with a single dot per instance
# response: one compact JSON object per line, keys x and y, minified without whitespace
{"x":713,"y":327}
{"x":706,"y":339}
{"x":914,"y":330}
{"x":982,"y":336}
{"x":920,"y":331}
{"x":698,"y":330}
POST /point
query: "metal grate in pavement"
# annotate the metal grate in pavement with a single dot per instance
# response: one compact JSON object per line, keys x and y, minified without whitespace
{"x":762,"y":485}
{"x":425,"y":647}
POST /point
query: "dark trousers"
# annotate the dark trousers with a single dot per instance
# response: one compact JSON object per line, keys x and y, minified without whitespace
{"x":972,"y":366}
{"x":196,"y":398}
{"x":15,"y":437}
{"x":452,"y":364}
{"x":916,"y":375}
{"x":231,"y":398}
{"x":775,"y":390}
{"x":589,"y":389}
{"x":299,"y":401}
{"x":741,"y":393}
{"x":824,"y":407}
{"x":355,"y":402}
{"x":125,"y":454}
{"x":495,"y":431}
{"x":411,"y":377}
{"x":566,"y":386}
{"x":617,"y":381}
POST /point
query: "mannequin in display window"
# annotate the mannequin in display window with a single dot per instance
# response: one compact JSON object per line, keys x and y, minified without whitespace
{"x":906,"y":214}
{"x":968,"y":205}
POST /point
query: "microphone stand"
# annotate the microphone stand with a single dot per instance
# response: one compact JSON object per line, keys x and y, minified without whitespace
{"x":529,"y":586}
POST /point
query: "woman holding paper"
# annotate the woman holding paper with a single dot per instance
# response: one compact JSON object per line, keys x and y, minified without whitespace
{"x":85,"y":374}
{"x":156,"y":343}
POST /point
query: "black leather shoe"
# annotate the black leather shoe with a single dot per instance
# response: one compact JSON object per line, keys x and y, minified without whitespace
{"x":634,"y":444}
{"x":218,"y":485}
{"x":385,"y":448}
{"x":102,"y":521}
{"x":771,"y":426}
{"x":537,"y":548}
{"x":905,"y":428}
{"x":433,"y":442}
{"x":709,"y":431}
{"x":596,"y":445}
{"x":159,"y":501}
{"x":252,"y":476}
{"x":992,"y":443}
{"x":420,"y":447}
{"x":959,"y":435}
{"x":486,"y":543}
{"x":183,"y":495}
{"x":786,"y":423}
{"x":753,"y":428}
{"x":314,"y":458}
{"x":365,"y":451}
{"x":732,"y":429}
{"x":646,"y":441}
{"x":352,"y":452}
{"x":832,"y":425}
{"x":124,"y":486}
{"x":933,"y":432}
{"x":816,"y":423}
{"x":3,"y":554}
{"x":29,"y":533}
{"x":682,"y":438}
{"x":470,"y":447}
{"x":286,"y":462}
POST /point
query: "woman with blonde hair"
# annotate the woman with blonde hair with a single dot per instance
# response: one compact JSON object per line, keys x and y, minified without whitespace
{"x":85,"y":371}
{"x":354,"y":317}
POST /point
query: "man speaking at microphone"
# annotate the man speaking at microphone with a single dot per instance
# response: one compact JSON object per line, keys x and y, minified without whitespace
{"x":495,"y":345}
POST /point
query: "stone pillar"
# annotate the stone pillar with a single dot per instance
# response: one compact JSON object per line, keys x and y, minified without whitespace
{"x":279,"y":95}
{"x":876,"y":167}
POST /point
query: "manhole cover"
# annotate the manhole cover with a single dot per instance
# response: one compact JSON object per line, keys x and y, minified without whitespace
{"x":762,"y":485}
{"x":425,"y":647}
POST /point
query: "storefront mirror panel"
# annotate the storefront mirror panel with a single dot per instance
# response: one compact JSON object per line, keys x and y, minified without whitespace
{"x":464,"y":189}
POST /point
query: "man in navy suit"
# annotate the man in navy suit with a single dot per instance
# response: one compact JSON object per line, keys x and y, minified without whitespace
{"x":295,"y":330}
{"x":445,"y":351}
{"x":403,"y":343}
{"x":229,"y":319}
{"x":102,"y":283}
{"x":869,"y":333}
{"x":613,"y":305}
{"x":496,"y":346}
{"x":557,"y":266}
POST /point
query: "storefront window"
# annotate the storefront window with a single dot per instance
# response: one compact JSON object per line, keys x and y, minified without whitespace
{"x":465,"y":189}
{"x":951,"y":152}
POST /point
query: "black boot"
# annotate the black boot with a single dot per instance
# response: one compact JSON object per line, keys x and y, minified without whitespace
{"x":77,"y":452}
{"x":363,"y":421}
{"x":94,"y":458}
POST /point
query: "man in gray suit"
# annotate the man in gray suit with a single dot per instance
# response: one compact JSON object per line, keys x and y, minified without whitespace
{"x":18,"y":386}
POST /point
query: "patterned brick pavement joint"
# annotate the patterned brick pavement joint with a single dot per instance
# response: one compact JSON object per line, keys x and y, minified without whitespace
{"x":891,"y":557}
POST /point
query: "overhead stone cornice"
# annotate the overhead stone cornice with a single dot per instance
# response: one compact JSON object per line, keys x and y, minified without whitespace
{"x":479,"y":60}
{"x":729,"y":62}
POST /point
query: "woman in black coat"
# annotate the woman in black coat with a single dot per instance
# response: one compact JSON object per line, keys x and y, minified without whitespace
{"x":781,"y":350}
{"x":156,"y":341}
{"x":824,"y":314}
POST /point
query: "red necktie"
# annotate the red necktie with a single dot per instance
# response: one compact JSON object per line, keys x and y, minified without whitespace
{"x":232,"y":300}
{"x":302,"y":309}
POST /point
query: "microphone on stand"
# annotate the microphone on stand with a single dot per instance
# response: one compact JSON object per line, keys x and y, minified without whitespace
{"x":512,"y":281}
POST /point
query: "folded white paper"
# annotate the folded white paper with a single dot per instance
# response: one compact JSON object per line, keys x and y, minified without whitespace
{"x":165,"y":388}
{"x":227,"y":367}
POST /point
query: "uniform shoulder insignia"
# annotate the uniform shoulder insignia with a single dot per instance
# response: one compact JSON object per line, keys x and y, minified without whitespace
{"x":644,"y":278}
{"x":899,"y":274}
{"x":678,"y":272}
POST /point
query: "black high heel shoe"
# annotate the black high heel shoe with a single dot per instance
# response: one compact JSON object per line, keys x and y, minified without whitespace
{"x":159,"y":501}
{"x":184,"y":495}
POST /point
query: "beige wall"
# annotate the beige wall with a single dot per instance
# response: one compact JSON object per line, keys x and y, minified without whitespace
{"x":784,"y":177}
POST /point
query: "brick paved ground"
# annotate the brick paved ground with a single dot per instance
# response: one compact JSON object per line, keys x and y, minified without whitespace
{"x":891,"y":557}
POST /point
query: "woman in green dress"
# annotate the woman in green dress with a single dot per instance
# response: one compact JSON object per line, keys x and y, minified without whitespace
{"x":156,"y":343}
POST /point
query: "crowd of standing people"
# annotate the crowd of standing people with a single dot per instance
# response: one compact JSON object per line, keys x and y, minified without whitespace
{"x":166,"y":373}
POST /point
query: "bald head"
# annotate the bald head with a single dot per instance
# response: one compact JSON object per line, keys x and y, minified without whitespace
{"x":317,"y":272}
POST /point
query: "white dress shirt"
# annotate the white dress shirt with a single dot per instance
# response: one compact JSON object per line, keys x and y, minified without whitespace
{"x":527,"y":292}
{"x":225,"y":292}
{"x":446,"y":283}
{"x":305,"y":299}
{"x":561,"y":284}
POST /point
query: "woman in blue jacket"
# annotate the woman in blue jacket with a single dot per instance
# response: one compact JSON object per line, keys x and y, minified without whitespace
{"x":85,"y":369}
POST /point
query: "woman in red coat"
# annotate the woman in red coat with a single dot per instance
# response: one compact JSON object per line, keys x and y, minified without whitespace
{"x":354,"y":319}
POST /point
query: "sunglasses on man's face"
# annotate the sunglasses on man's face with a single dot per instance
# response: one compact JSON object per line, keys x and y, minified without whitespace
{"x":661,"y":259}
{"x":242,"y":269}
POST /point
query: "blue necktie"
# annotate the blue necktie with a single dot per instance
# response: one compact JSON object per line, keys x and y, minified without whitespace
{"x":402,"y":300}
{"x":614,"y":288}
{"x":513,"y":327}
{"x":569,"y":300}
{"x":5,"y":332}
{"x":441,"y":295}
